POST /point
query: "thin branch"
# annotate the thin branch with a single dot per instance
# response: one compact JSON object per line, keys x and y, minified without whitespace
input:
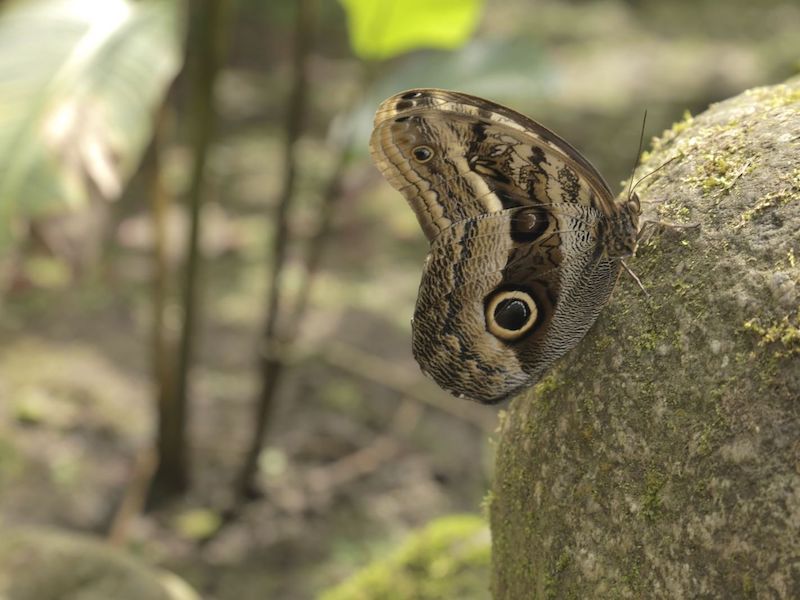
{"x":169,"y":442}
{"x":271,"y":367}
{"x":322,"y":482}
{"x":134,"y":498}
{"x":318,"y":242}
{"x":372,"y":368}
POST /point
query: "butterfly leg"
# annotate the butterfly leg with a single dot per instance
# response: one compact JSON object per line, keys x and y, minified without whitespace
{"x":649,"y":228}
{"x":635,"y":278}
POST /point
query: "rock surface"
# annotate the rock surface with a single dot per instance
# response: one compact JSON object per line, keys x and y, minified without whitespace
{"x":661,"y":457}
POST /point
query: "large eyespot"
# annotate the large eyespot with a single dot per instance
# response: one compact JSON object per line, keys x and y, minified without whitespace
{"x":510,"y":314}
{"x":422,"y":154}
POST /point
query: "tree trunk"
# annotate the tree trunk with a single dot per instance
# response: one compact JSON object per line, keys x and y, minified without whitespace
{"x":661,"y":457}
{"x":206,"y":42}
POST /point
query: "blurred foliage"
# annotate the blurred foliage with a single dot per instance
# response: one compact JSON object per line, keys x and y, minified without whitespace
{"x":385,"y":28}
{"x":449,"y":558}
{"x":76,"y":106}
{"x":198,"y":523}
{"x":10,"y":460}
{"x":46,"y":564}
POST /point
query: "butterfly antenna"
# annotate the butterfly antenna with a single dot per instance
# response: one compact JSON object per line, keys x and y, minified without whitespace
{"x":638,"y":156}
{"x":654,"y":171}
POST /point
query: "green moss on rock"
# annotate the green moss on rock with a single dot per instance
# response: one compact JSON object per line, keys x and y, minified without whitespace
{"x":784,"y":334}
{"x":447,"y":559}
{"x":788,"y":192}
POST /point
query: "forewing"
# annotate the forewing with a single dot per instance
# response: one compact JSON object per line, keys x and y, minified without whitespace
{"x":455,"y":156}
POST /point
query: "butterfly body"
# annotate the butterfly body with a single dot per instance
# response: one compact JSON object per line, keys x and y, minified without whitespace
{"x":526,"y":238}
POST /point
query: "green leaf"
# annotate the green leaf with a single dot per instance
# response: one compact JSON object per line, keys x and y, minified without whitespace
{"x":79,"y":83}
{"x":385,"y":28}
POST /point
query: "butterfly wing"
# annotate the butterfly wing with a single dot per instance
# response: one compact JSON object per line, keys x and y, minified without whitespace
{"x":454,"y":156}
{"x":519,"y":224}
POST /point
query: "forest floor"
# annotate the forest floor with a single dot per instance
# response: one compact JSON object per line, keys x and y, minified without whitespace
{"x":352,"y":461}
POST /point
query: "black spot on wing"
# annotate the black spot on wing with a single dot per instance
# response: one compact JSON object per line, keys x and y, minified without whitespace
{"x":538,"y":158}
{"x":478,"y":130}
{"x":570,"y":185}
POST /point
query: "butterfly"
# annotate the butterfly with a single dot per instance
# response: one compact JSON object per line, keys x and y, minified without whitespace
{"x":526,"y":238}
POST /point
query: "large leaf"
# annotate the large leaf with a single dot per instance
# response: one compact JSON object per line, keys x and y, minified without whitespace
{"x":79,"y":83}
{"x":385,"y":28}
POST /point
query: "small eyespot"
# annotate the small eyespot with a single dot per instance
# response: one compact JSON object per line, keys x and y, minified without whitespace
{"x":422,"y":154}
{"x":528,"y":224}
{"x":402,"y":119}
{"x":510,"y":314}
{"x":525,"y":221}
{"x":411,"y":95}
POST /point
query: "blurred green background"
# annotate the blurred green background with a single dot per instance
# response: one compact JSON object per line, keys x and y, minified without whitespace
{"x":197,"y":256}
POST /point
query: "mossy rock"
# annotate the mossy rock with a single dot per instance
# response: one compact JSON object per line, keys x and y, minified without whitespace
{"x":449,"y":558}
{"x":38,"y":564}
{"x":661,"y":457}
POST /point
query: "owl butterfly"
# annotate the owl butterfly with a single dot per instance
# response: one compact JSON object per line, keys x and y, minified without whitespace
{"x":526,"y":239}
